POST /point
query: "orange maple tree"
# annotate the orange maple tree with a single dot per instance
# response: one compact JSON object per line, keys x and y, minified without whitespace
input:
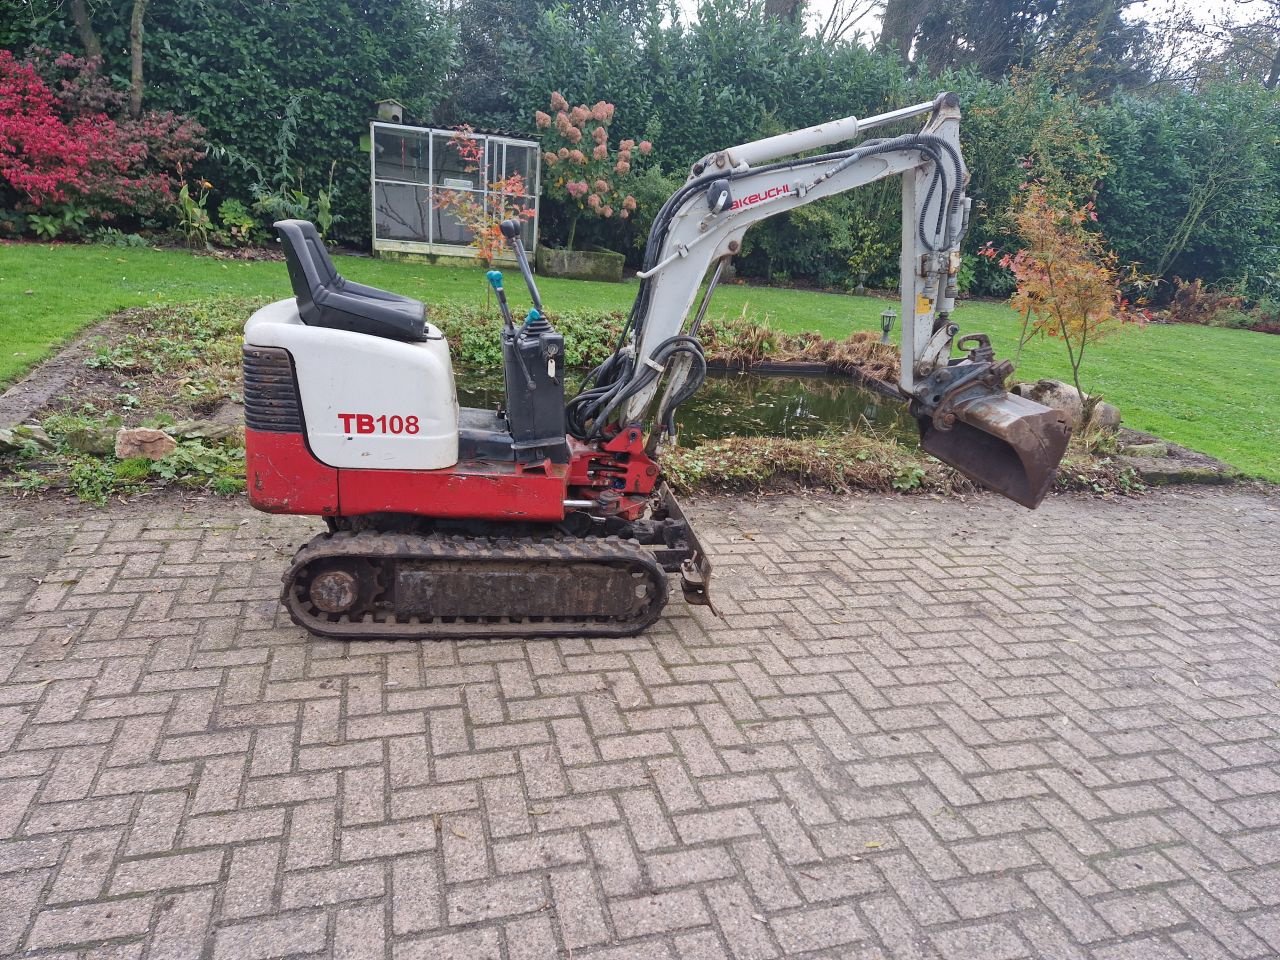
{"x":1069,"y":286}
{"x":483,"y":219}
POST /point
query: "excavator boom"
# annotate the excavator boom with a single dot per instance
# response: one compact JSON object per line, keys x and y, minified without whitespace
{"x":966,"y":417}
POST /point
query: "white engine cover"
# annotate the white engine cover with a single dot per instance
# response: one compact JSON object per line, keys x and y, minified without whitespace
{"x":368,"y":402}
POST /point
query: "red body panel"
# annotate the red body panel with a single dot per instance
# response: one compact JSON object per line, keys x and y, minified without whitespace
{"x":284,"y":477}
{"x":484,"y":491}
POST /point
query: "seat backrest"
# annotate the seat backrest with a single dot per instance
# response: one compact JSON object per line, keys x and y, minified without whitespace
{"x":311,"y":271}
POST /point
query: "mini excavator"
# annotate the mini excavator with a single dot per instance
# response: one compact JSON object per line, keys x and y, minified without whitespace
{"x":547,"y":517}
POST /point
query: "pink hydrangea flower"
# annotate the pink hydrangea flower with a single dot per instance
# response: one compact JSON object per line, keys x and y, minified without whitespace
{"x":558,"y":102}
{"x":542,"y":120}
{"x":600,"y":135}
{"x":627,"y":145}
{"x":573,"y":135}
{"x":578,"y":157}
{"x":563,"y":153}
{"x":623,"y":214}
{"x":601,"y":152}
{"x":602,"y":186}
{"x":593,"y":202}
{"x":579,"y":114}
{"x":622,"y":167}
{"x":550,"y":159}
{"x":606,"y":211}
{"x":629,"y":203}
{"x":645,"y":148}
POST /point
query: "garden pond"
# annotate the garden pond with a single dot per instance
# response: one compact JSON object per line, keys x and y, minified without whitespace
{"x":734,"y":403}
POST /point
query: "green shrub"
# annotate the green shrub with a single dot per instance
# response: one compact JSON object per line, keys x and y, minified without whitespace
{"x":1194,"y":184}
{"x":239,"y":227}
{"x":474,"y":334}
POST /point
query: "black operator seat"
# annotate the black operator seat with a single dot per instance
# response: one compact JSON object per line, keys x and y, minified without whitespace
{"x":327,"y":299}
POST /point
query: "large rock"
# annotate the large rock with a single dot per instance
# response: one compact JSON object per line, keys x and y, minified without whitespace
{"x":97,"y":441}
{"x":1105,"y":416}
{"x":1156,"y":448}
{"x":144,"y":442}
{"x":201,"y":430}
{"x":1066,"y":399}
{"x":1056,"y":395}
{"x":22,"y":436}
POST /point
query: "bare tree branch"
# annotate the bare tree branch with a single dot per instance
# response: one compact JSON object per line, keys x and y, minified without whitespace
{"x":843,"y":17}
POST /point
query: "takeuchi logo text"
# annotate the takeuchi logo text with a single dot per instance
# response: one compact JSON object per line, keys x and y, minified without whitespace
{"x":760,"y":197}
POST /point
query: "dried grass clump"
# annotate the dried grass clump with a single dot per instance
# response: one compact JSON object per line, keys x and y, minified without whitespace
{"x":840,"y":463}
{"x":740,"y":342}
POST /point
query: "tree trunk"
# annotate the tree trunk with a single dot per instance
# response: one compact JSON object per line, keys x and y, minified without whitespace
{"x":84,"y":30}
{"x":135,"y":58}
{"x":788,"y":10}
{"x":573,"y":229}
{"x":1273,"y":75}
{"x":902,"y":19}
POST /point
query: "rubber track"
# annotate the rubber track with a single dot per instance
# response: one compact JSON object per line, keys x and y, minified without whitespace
{"x":379,"y":548}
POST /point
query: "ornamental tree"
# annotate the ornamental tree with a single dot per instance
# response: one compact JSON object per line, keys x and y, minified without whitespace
{"x":1069,"y":287}
{"x":584,"y":170}
{"x":483,"y":220}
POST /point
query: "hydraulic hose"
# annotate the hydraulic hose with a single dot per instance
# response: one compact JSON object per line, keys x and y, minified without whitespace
{"x":620,"y":377}
{"x":597,"y":410}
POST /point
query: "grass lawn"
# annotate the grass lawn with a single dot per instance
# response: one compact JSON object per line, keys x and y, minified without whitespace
{"x":1214,"y":390}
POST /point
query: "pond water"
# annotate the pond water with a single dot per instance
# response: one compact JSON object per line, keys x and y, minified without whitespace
{"x":749,"y":404}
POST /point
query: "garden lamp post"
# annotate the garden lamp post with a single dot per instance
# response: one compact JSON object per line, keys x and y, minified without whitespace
{"x":886,"y":324}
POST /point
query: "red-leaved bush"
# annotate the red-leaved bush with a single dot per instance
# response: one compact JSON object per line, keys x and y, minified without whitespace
{"x":66,"y":141}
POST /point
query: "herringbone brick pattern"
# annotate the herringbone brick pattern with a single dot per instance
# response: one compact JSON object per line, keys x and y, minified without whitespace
{"x":923,"y":729}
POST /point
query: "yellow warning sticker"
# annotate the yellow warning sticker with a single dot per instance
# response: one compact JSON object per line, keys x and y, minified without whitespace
{"x":923,"y":304}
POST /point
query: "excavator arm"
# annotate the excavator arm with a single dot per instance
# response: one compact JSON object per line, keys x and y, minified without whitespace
{"x":966,"y":417}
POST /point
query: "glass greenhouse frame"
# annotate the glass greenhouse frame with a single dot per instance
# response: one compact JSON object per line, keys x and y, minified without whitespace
{"x":409,"y":168}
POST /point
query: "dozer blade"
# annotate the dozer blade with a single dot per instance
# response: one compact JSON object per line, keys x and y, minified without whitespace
{"x":694,"y":567}
{"x":1004,"y":442}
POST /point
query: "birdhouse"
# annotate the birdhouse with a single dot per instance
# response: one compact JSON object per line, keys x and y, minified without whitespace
{"x":390,"y":111}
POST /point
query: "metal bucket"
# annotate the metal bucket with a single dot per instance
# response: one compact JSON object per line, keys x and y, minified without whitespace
{"x":1004,"y":442}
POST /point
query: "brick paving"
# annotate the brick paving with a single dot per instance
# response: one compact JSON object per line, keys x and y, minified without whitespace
{"x":923,"y":729}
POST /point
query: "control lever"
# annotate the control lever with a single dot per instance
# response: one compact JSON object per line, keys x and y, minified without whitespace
{"x":495,"y":280}
{"x":512,"y":229}
{"x":509,"y":325}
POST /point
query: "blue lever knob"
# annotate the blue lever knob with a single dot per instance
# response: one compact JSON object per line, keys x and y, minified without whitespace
{"x":495,"y":279}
